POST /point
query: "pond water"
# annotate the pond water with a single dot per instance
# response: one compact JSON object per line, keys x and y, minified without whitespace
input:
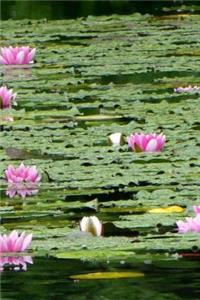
{"x":93,"y":77}
{"x":51,"y":279}
{"x":55,"y":10}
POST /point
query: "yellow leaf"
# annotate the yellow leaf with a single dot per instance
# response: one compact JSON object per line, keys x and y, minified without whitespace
{"x":107,"y":275}
{"x":169,"y":209}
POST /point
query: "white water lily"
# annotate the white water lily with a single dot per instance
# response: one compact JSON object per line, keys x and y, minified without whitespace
{"x":116,"y":139}
{"x":91,"y":225}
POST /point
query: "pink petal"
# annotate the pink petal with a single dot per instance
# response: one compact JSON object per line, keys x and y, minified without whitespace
{"x":183,"y":227}
{"x":196,"y":209}
{"x":2,"y":60}
{"x":26,"y":242}
{"x":9,"y":56}
{"x":13,"y":235}
{"x":20,"y":58}
{"x":151,"y":146}
{"x":3,"y":245}
{"x":31,"y":55}
{"x":19,"y":242}
{"x":11,"y":193}
{"x":22,"y":192}
{"x":28,"y":259}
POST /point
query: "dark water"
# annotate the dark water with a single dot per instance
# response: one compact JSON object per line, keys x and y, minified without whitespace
{"x":50,"y":279}
{"x":25,"y":9}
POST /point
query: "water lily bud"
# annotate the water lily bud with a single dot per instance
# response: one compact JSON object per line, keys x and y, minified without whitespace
{"x":91,"y":225}
{"x":7,"y":97}
{"x":116,"y":139}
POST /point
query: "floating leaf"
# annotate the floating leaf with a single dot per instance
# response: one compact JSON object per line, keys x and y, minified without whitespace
{"x":169,"y":209}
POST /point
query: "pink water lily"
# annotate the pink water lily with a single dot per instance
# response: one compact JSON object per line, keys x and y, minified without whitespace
{"x":187,"y":89}
{"x":7,"y":97}
{"x":25,"y":174}
{"x":140,"y":142}
{"x":15,"y":242}
{"x":15,"y":263}
{"x":16,"y":55}
{"x":196,"y":209}
{"x":22,"y":180}
{"x":190,"y":224}
{"x":183,"y":227}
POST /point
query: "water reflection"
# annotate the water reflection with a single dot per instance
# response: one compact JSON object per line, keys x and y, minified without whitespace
{"x":13,"y":71}
{"x":50,"y":279}
{"x":15,"y":263}
{"x":6,"y":118}
{"x":73,"y":9}
{"x":22,"y":189}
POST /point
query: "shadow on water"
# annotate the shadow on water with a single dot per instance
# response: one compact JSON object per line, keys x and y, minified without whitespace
{"x":143,"y":77}
{"x":50,"y":279}
{"x":72,"y":9}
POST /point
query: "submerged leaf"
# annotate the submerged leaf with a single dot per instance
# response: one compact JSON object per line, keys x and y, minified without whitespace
{"x":107,"y":275}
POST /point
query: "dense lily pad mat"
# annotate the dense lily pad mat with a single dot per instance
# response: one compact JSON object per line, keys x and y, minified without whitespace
{"x":93,"y":77}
